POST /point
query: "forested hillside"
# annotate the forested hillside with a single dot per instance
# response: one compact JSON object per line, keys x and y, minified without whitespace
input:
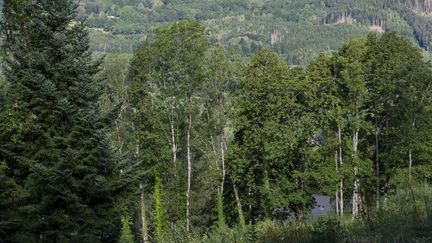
{"x":298,"y":30}
{"x":215,"y":121}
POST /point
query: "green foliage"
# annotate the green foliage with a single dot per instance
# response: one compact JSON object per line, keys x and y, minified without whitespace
{"x":275,"y":163}
{"x":220,"y":210}
{"x":234,"y":146}
{"x":159,"y":214}
{"x":268,"y":153}
{"x":55,"y":148}
{"x":11,"y":194}
{"x":297,"y":30}
{"x":167,"y":78}
{"x":327,"y":229}
{"x":126,"y":233}
{"x":405,"y":218}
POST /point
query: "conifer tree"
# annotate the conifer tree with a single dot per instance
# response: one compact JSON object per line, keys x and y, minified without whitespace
{"x":159,"y":213}
{"x":126,"y":234}
{"x":53,"y":141}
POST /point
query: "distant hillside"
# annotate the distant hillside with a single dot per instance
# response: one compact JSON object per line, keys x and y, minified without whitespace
{"x":297,"y":29}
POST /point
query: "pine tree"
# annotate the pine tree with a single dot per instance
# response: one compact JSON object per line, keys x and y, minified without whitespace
{"x":53,"y":140}
{"x":10,"y":195}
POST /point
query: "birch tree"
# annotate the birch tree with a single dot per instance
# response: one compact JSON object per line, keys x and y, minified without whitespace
{"x":221,"y":78}
{"x":167,"y":74}
{"x":328,"y":108}
{"x":354,"y":95}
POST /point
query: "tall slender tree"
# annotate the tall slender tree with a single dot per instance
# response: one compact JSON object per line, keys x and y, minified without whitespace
{"x":55,"y":146}
{"x":166,"y":79}
{"x":328,"y":110}
{"x":221,"y":78}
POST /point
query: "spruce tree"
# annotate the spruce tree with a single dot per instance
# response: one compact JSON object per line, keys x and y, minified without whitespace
{"x":53,"y":136}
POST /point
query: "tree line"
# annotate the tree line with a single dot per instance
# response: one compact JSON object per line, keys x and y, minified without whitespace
{"x":298,"y":30}
{"x":237,"y":142}
{"x":189,"y":134}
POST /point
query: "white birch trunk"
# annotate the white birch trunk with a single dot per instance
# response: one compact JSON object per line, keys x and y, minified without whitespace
{"x":410,"y":162}
{"x":239,"y":206}
{"x":356,"y":194}
{"x":189,"y":172}
{"x":337,"y":190}
{"x":356,"y":202}
{"x":173,"y":144}
{"x":341,"y":199}
{"x":222,"y":148}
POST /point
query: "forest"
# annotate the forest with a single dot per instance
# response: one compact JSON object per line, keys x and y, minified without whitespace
{"x":297,"y":30}
{"x":186,"y":136}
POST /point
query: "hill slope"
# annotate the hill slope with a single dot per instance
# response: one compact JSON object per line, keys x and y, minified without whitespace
{"x":297,"y":29}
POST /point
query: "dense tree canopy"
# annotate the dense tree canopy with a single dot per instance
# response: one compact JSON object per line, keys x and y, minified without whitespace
{"x":297,"y":30}
{"x":54,"y":145}
{"x":206,"y":134}
{"x":331,"y":128}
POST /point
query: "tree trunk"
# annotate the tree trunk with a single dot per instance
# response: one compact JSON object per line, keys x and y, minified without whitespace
{"x":377,"y":166}
{"x":117,"y":122}
{"x":222,"y":148}
{"x":386,"y":186}
{"x":410,"y":161}
{"x":341,"y":206}
{"x":222,"y":138}
{"x":173,"y":144}
{"x":239,"y":207}
{"x":212,"y":140}
{"x":144,"y":229}
{"x":409,"y":164}
{"x":189,"y":172}
{"x":120,"y":144}
{"x":356,"y":195}
{"x":341,"y":199}
{"x":337,"y":189}
{"x":356,"y":202}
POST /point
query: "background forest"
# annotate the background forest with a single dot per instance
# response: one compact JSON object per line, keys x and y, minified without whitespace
{"x":215,"y":121}
{"x":297,"y":30}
